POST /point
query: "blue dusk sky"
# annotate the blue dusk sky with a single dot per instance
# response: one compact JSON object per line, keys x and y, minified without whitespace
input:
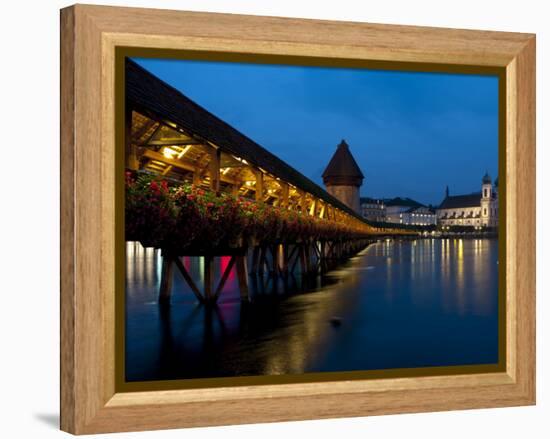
{"x":411,"y":133}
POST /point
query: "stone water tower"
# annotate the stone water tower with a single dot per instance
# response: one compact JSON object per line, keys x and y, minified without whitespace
{"x":343,"y":178}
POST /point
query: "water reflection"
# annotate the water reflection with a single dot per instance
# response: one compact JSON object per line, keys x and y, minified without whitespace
{"x":397,"y":304}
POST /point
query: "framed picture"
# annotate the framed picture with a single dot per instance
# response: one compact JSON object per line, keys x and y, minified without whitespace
{"x":268,"y":219}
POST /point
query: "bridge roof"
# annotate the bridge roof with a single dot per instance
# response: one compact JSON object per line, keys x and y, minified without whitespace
{"x":152,"y":96}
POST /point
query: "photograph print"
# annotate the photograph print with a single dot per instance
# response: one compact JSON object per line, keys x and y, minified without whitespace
{"x":290,"y":222}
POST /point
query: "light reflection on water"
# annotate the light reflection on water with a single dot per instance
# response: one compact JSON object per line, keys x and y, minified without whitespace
{"x":398,"y":304}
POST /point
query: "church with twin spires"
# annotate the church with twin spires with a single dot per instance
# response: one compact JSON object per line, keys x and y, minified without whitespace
{"x":479,"y":209}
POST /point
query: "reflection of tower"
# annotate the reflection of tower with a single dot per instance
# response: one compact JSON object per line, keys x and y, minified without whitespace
{"x":343,"y":178}
{"x":486,"y":200}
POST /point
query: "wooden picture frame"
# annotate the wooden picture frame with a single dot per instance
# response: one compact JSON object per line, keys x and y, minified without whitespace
{"x":90,"y":36}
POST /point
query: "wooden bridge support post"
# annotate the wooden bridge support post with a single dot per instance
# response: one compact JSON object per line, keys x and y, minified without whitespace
{"x":315,"y":258}
{"x":334,"y":253}
{"x":165,"y":290}
{"x":323,"y":257}
{"x":255,"y":260}
{"x":295,"y":253}
{"x":284,"y":250}
{"x":274,"y":270}
{"x":304,"y":259}
{"x":301,"y":255}
{"x":208,"y":278}
{"x":242,"y":277}
{"x":263,"y":260}
{"x":327,"y":255}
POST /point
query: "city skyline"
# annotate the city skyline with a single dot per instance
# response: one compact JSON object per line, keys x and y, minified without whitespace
{"x":447,"y":123}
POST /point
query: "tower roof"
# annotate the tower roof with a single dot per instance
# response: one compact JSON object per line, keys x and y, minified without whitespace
{"x":486,"y":178}
{"x":342,"y":168}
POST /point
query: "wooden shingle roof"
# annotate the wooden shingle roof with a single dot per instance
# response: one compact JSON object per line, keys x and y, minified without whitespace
{"x":342,"y":168}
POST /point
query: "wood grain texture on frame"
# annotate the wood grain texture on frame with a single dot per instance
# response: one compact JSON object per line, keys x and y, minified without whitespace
{"x":89,"y":37}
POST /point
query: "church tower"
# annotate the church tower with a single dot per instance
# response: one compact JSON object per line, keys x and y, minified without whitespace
{"x":343,"y":178}
{"x":486,"y":200}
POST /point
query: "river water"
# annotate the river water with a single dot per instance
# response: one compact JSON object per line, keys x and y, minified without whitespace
{"x":398,"y":304}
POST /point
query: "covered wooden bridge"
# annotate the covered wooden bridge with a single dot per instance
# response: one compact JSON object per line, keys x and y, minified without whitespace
{"x":169,"y":135}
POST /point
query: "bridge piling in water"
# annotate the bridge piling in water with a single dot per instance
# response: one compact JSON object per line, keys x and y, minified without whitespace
{"x":281,"y":259}
{"x":242,"y":277}
{"x":166,"y":279}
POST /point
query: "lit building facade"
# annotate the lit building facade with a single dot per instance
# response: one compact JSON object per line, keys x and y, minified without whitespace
{"x":479,"y":209}
{"x":410,"y":212}
{"x":373,"y":209}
